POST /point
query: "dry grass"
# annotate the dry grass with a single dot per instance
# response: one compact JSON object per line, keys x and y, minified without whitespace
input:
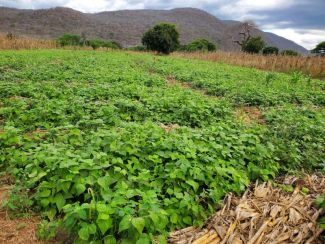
{"x":314,"y":66}
{"x":264,"y":214}
{"x":25,"y":43}
{"x":17,"y":43}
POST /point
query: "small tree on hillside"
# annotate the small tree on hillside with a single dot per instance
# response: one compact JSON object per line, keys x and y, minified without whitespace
{"x":200,"y":45}
{"x":162,"y":38}
{"x":319,"y":49}
{"x":270,"y":51}
{"x":69,"y":40}
{"x":245,"y":33}
{"x":254,"y":45}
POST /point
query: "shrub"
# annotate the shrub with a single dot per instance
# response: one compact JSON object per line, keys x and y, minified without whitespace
{"x":138,"y":48}
{"x":162,"y":38}
{"x":200,"y":45}
{"x":319,"y":49}
{"x":10,"y":36}
{"x":97,"y":43}
{"x":69,"y":40}
{"x":289,"y":53}
{"x":270,"y":50}
{"x":253,"y":45}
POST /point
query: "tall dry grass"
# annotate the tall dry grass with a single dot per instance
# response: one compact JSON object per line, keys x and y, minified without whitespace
{"x":17,"y":43}
{"x":24,"y":43}
{"x":314,"y":66}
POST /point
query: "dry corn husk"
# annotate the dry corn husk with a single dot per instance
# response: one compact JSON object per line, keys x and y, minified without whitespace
{"x":264,"y":214}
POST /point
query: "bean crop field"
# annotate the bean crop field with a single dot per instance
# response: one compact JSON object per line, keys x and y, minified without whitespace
{"x":118,"y":146}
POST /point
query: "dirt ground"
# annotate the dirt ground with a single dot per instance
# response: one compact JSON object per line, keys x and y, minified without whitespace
{"x":15,"y":231}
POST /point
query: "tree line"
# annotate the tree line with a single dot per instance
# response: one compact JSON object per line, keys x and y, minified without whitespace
{"x":164,"y":38}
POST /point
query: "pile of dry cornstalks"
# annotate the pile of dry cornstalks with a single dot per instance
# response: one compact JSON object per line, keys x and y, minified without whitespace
{"x":264,"y":214}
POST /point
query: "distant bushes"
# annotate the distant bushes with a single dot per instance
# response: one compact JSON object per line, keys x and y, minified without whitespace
{"x":289,"y":53}
{"x":77,"y":40}
{"x":275,"y":51}
{"x":271,"y":51}
{"x":140,"y":48}
{"x":69,"y":40}
{"x":198,"y":45}
{"x":97,"y":43}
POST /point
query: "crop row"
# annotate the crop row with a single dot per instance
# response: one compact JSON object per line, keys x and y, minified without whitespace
{"x":86,"y":133}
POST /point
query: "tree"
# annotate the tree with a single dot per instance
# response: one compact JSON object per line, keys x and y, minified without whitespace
{"x":253,"y":45}
{"x":319,"y":49}
{"x":200,"y":45}
{"x":162,"y":38}
{"x":10,"y":36}
{"x":245,"y":33}
{"x":270,"y":50}
{"x":69,"y":40}
{"x":289,"y":53}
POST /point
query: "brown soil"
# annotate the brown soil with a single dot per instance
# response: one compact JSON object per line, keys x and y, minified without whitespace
{"x":39,"y":133}
{"x":169,"y":127}
{"x":15,"y":231}
{"x":249,"y":115}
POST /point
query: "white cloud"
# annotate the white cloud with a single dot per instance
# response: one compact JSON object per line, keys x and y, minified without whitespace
{"x":241,"y":9}
{"x":307,"y":38}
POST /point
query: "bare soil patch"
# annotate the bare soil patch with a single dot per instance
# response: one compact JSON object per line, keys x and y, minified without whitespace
{"x":15,"y":231}
{"x":169,"y":127}
{"x":250,"y":114}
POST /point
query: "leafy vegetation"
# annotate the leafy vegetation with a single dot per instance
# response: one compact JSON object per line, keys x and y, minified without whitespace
{"x":162,"y":38}
{"x":70,"y":40}
{"x":83,"y":131}
{"x":77,"y":40}
{"x":289,"y":53}
{"x":97,"y":43}
{"x":253,"y":45}
{"x":270,"y":50}
{"x":320,"y":202}
{"x":199,"y":45}
{"x":319,"y":49}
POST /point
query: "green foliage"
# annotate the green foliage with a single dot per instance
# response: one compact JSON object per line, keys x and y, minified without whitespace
{"x":76,"y":40}
{"x":18,"y":203}
{"x":253,"y":45}
{"x":138,"y":48}
{"x":320,"y":202}
{"x":289,"y":53}
{"x":200,"y":45}
{"x":47,"y":230}
{"x":270,"y":51}
{"x":319,"y":49}
{"x":88,"y":138}
{"x":162,"y":38}
{"x":97,"y":43}
{"x":69,"y":40}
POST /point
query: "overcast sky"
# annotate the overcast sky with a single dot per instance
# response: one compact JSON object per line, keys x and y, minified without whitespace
{"x":302,"y":21}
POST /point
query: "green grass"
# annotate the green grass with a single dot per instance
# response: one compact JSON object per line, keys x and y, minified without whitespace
{"x":82,"y":130}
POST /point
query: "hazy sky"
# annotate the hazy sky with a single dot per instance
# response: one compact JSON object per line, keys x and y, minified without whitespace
{"x":302,"y":21}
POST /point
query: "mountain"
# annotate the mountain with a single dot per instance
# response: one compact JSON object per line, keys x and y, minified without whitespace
{"x":128,"y":26}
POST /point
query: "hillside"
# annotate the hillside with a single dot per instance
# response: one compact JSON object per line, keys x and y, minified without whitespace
{"x":127,"y":26}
